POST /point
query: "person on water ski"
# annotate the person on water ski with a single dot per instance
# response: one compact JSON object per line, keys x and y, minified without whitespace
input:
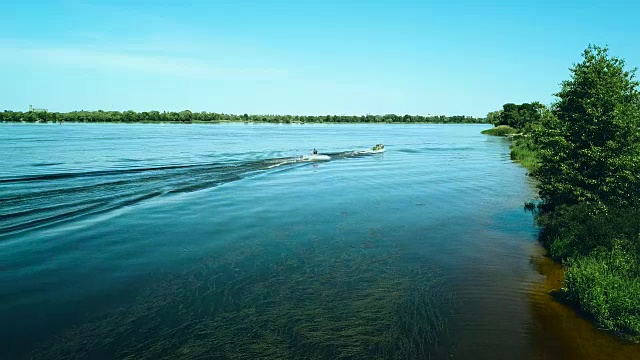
{"x":315,"y":152}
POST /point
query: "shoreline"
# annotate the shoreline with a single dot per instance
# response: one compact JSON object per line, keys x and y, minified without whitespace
{"x":240,"y":122}
{"x":563,"y":328}
{"x":521,"y":155}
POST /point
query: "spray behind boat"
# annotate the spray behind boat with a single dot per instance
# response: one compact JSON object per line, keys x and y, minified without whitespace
{"x":316,"y":156}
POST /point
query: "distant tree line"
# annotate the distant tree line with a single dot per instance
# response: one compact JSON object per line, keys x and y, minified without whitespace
{"x":212,"y":117}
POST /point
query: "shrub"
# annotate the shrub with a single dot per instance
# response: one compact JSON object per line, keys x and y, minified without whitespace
{"x":606,"y":286}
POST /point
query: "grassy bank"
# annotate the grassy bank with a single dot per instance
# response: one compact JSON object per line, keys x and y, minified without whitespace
{"x":501,"y":130}
{"x":601,"y":254}
{"x":614,"y":303}
{"x":523,"y":151}
{"x":522,"y":146}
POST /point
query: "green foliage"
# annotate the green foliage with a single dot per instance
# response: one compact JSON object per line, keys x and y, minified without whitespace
{"x":606,"y":285}
{"x":523,"y":150}
{"x":501,"y":130}
{"x":521,"y":117}
{"x":602,"y":253}
{"x":585,"y":153}
{"x":581,"y":229}
{"x":494,"y":117}
{"x":590,"y":148}
{"x":205,"y":117}
{"x":509,"y":116}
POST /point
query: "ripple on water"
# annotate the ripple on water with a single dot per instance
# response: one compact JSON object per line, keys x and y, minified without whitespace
{"x":445,"y":198}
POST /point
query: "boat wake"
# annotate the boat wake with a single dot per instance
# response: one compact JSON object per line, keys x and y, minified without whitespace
{"x":38,"y":200}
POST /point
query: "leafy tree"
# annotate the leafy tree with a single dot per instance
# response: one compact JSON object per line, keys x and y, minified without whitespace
{"x":529,"y":115}
{"x":522,"y":117}
{"x":494,"y":117}
{"x":509,"y":115}
{"x":589,"y":147}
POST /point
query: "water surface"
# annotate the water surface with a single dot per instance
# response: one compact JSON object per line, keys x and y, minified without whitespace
{"x":215,"y":241}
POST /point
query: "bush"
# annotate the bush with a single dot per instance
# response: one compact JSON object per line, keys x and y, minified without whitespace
{"x":581,"y":229}
{"x":606,"y":286}
{"x":601,"y":250}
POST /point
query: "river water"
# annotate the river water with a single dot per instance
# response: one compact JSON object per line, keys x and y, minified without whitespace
{"x":216,"y":241}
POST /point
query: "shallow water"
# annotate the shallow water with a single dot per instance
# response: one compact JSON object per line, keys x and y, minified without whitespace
{"x":163,"y":236}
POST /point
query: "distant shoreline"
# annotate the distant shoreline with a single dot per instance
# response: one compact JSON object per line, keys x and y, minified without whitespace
{"x":188,"y":117}
{"x":238,"y":122}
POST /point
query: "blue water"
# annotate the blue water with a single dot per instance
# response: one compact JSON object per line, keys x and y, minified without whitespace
{"x":92,"y":216}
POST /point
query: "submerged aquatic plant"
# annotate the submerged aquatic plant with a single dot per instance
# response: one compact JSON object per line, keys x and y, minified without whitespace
{"x":302,"y":300}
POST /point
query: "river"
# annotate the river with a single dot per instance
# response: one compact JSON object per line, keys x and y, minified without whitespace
{"x":216,"y":241}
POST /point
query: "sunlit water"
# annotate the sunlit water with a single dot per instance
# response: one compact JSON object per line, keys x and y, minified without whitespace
{"x":111,"y":231}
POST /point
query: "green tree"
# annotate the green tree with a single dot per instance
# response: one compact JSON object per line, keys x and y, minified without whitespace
{"x":589,"y":147}
{"x":530,"y":115}
{"x":509,"y":115}
{"x":494,"y":117}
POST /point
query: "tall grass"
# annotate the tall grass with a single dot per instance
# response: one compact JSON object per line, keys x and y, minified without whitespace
{"x":523,"y":151}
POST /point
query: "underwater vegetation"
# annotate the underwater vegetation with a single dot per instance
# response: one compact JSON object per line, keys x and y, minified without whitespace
{"x":312,"y":299}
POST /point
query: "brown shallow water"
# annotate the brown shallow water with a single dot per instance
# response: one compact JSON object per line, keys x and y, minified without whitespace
{"x":559,"y":331}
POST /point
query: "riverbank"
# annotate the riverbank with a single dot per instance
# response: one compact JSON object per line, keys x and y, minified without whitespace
{"x":585,"y":148}
{"x":239,"y":122}
{"x":601,"y":281}
{"x":562,"y":332}
{"x":523,"y":152}
{"x":500,"y":130}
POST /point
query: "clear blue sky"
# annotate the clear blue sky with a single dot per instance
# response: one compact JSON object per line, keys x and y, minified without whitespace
{"x":301,"y":57}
